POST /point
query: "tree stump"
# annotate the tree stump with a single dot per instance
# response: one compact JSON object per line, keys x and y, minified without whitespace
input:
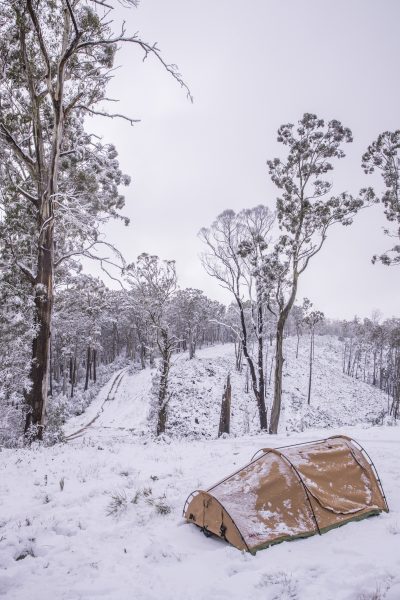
{"x":225,"y":418}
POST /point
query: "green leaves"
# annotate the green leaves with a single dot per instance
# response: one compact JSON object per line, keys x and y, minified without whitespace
{"x":303,"y":210}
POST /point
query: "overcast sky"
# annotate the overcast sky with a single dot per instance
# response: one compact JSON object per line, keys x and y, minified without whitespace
{"x":252,"y":66}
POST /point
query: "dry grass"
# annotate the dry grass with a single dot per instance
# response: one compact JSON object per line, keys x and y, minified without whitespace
{"x":117,"y":505}
{"x":375,"y":595}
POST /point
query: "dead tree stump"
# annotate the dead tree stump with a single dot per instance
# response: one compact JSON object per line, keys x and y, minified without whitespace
{"x":225,"y":418}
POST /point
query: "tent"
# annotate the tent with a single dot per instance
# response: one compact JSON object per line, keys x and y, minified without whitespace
{"x":290,"y":492}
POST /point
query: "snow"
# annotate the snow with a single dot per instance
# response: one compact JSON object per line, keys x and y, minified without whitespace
{"x":336,"y":399}
{"x":59,"y":540}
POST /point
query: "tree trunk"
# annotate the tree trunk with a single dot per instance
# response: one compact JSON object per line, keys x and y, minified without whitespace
{"x":283,"y":315}
{"x":47,"y":187}
{"x":374,"y":371}
{"x":114,"y":343}
{"x":94,"y":366}
{"x":310,"y":372}
{"x":276,"y":407}
{"x":260,"y":364}
{"x":64,"y":381}
{"x":73,"y":379}
{"x":50,"y":393}
{"x":225,"y":418}
{"x":143,"y":356}
{"x":365,"y":363}
{"x":162,"y":395}
{"x":87,"y":368}
{"x":350,"y":355}
{"x":238,"y":355}
{"x":37,"y":396}
{"x":192,"y":346}
{"x":256,"y":389}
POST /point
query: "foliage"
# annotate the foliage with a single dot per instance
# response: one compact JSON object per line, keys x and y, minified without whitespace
{"x":384,"y":155}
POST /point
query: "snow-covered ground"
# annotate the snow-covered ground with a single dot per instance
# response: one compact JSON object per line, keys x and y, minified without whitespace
{"x":100,"y":516}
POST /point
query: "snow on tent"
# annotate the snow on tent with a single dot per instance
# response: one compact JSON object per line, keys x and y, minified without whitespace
{"x":290,"y":492}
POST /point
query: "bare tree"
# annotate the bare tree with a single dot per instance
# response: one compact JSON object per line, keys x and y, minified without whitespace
{"x":236,"y":246}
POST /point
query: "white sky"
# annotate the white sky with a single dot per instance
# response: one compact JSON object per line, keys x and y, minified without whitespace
{"x":252,"y":66}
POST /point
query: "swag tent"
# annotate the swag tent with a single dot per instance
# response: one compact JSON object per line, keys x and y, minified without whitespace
{"x":290,"y":492}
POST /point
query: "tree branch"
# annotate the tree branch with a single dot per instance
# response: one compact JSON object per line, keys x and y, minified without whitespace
{"x":27,"y":272}
{"x":148,"y":49}
{"x":18,"y":151}
{"x":71,"y":12}
{"x":105,"y":114}
{"x":42,"y":45}
{"x":29,"y":196}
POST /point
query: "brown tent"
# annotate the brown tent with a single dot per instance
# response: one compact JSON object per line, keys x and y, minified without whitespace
{"x":290,"y":492}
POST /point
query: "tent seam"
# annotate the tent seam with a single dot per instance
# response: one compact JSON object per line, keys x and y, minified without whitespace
{"x":307,"y":492}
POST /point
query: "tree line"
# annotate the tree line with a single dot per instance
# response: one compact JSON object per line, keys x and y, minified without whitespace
{"x":371,"y":352}
{"x":94,"y":326}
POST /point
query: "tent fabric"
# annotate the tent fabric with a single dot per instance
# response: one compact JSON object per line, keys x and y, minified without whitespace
{"x":290,"y":492}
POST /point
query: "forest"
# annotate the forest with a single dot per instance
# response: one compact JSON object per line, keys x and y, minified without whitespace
{"x":104,"y":353}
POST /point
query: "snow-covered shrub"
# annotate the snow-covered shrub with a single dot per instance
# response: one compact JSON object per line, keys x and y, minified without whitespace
{"x":11,"y":426}
{"x":390,"y":421}
{"x":58,"y":411}
{"x":160,"y":504}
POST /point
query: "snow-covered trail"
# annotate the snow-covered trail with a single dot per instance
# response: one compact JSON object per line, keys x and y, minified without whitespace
{"x":79,"y":425}
{"x":127,"y":410}
{"x":121,"y":407}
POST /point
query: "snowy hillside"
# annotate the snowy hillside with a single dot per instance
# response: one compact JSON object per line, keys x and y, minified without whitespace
{"x":101,"y":515}
{"x":196,"y":387}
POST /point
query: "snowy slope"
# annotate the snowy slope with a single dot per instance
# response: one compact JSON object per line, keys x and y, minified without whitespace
{"x":337,"y":400}
{"x":64,"y":537}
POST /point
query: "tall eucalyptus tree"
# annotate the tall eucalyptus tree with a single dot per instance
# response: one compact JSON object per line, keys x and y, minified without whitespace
{"x":58,"y":182}
{"x":305,"y":212}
